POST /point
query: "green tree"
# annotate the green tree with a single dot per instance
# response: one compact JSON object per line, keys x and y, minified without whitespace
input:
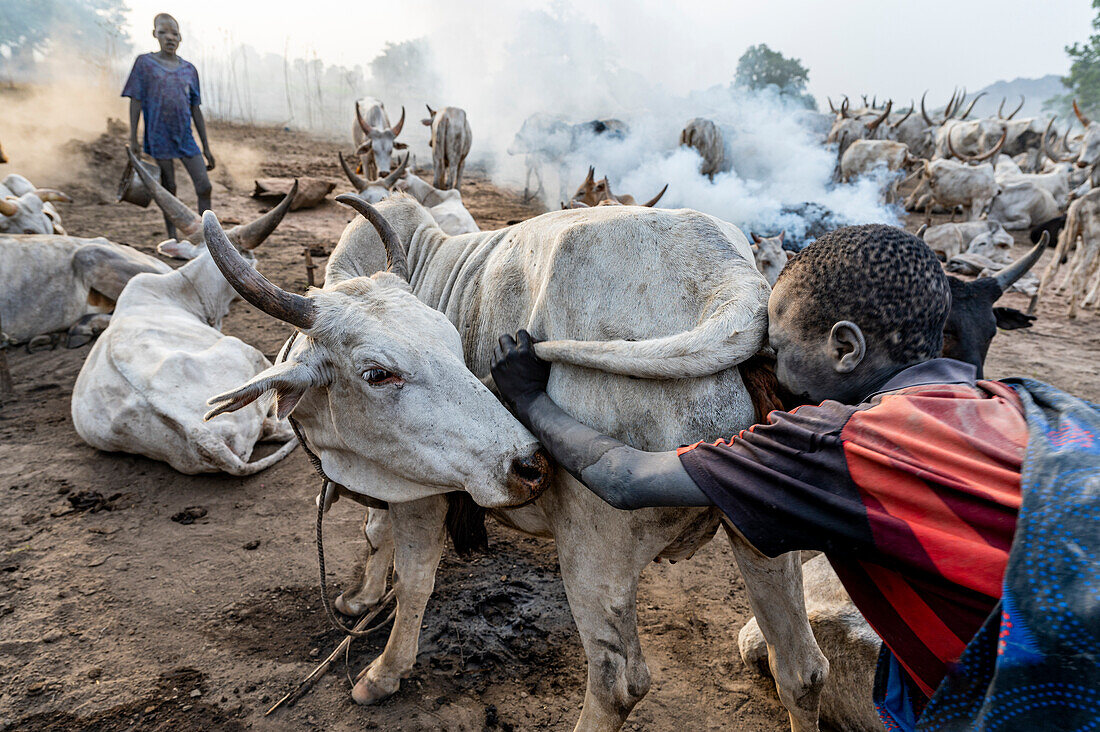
{"x":1084,"y":74}
{"x":760,"y":67}
{"x":91,"y":29}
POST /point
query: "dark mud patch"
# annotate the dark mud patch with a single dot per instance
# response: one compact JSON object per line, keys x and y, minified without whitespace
{"x":170,"y":706}
{"x":283,"y":624}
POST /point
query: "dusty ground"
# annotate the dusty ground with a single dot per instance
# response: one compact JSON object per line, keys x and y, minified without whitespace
{"x":122,"y":618}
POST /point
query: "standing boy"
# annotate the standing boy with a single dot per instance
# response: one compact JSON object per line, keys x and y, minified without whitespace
{"x":165,"y":90}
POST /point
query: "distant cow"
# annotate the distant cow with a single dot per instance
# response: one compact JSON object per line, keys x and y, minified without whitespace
{"x":450,"y":143}
{"x":375,"y":139}
{"x":50,"y":283}
{"x":849,"y":127}
{"x":770,"y":255}
{"x":705,"y":138}
{"x":594,"y":192}
{"x":1021,"y":204}
{"x":952,"y":184}
{"x":26,"y":209}
{"x":1078,"y":249}
{"x":865,"y":156}
{"x":373,"y":191}
{"x":948,"y":240}
{"x":143,"y":386}
{"x":545,"y":139}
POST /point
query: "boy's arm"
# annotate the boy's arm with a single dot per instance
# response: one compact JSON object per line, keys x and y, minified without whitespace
{"x":135,"y":117}
{"x":200,"y":125}
{"x":620,"y":475}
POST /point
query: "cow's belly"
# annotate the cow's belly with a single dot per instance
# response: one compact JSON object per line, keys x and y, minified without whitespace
{"x":41,"y":301}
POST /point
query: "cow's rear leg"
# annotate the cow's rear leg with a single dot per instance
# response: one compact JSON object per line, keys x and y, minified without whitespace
{"x":775,"y":594}
{"x":373,"y":567}
{"x":458,"y":172}
{"x":417,"y":528}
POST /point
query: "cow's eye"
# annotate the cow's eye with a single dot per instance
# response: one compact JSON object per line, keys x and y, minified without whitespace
{"x":380,"y":377}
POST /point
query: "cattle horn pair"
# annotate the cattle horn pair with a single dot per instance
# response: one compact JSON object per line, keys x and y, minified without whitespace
{"x":1000,"y":109}
{"x":912,"y":107}
{"x":247,"y":236}
{"x":873,"y":124}
{"x":977,"y":158}
{"x":1046,"y":144}
{"x":361,"y":184}
{"x":1008,"y":276}
{"x":396,"y":129}
{"x":972,"y":103}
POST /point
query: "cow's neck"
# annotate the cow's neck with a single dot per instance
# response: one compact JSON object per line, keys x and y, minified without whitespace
{"x":202,"y":290}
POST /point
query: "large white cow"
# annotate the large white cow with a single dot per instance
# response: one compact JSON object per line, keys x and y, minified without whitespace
{"x":50,"y":283}
{"x":954,"y":184}
{"x":189,"y":225}
{"x":1079,"y":251}
{"x":1022,"y":204}
{"x":142,"y":388}
{"x":849,"y":127}
{"x":1057,"y":181}
{"x":703,"y":136}
{"x":25,"y":209}
{"x":444,"y":206}
{"x":864,"y":156}
{"x":375,"y":139}
{"x":949,"y":240}
{"x":377,"y":377}
{"x":450,"y":142}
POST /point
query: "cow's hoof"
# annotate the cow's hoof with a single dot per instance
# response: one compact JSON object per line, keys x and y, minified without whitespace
{"x":348,"y":607}
{"x":372,"y":691}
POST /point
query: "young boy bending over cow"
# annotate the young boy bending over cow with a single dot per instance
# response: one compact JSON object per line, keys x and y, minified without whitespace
{"x":956,"y":511}
{"x":164,"y":89}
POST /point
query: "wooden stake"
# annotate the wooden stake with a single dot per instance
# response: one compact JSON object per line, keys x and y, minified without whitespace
{"x":310,"y":266}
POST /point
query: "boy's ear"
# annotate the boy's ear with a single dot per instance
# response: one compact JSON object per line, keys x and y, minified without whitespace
{"x":847,"y":346}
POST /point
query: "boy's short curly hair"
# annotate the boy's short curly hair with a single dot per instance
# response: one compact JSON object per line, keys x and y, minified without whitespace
{"x":883,"y":279}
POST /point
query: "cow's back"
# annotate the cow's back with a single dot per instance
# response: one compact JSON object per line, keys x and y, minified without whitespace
{"x":39,"y":290}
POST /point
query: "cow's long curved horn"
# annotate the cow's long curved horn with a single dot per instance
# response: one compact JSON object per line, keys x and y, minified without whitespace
{"x":250,"y":284}
{"x":958,"y":103}
{"x":176,"y":210}
{"x":912,"y":107}
{"x":362,"y":122}
{"x":252,"y":234}
{"x":1018,"y":107}
{"x":400,"y":123}
{"x":873,"y":124}
{"x":591,"y":177}
{"x":831,"y":107}
{"x":977,"y":158}
{"x":1001,"y":108}
{"x":920,"y":232}
{"x":396,"y":261}
{"x":1077,"y":110}
{"x":950,"y":105}
{"x":653,"y":201}
{"x":8,"y":207}
{"x":1007,"y":276}
{"x":972,"y":103}
{"x":431,"y":112}
{"x":1046,"y":144}
{"x":844,"y":107}
{"x":360,"y":184}
{"x":50,"y":195}
{"x":923,"y":111}
{"x":396,"y":173}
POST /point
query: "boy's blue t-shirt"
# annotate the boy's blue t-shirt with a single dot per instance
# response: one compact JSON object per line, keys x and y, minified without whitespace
{"x":166,"y":97}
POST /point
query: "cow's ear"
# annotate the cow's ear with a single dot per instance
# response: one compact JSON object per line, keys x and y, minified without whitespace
{"x":399,"y":146}
{"x":426,"y":122}
{"x":755,"y":238}
{"x":289,"y":380}
{"x":781,"y":235}
{"x":1012,"y":319}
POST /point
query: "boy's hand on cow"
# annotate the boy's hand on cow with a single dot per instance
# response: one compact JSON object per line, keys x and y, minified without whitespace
{"x":519,"y":374}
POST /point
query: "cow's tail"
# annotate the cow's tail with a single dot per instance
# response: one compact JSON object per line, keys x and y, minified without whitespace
{"x":731,"y":334}
{"x":227,"y":461}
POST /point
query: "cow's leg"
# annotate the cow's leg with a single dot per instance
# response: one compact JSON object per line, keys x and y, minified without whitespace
{"x":1078,"y":276}
{"x":458,"y":172}
{"x":418,"y":544}
{"x":439,"y":168}
{"x":1093,"y":295}
{"x":775,"y":595}
{"x":373,"y":566}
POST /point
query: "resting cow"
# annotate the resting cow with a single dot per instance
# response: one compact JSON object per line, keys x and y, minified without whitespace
{"x":373,"y":191}
{"x":594,"y":192}
{"x":450,"y":142}
{"x":373,"y":369}
{"x":143,"y":385}
{"x":864,"y":156}
{"x":444,"y":206}
{"x":50,"y":283}
{"x":25,"y":209}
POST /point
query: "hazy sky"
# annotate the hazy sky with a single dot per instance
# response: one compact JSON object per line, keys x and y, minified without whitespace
{"x":850,"y":46}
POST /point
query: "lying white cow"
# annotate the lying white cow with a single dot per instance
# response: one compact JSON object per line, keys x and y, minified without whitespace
{"x":865,"y":156}
{"x":189,"y":225}
{"x":769,"y":255}
{"x":954,"y":184}
{"x":444,"y":206}
{"x":1022,"y":204}
{"x":375,"y":139}
{"x":373,"y":191}
{"x":375,"y":376}
{"x":948,"y":240}
{"x":450,"y":142}
{"x":705,"y":138}
{"x":50,"y":283}
{"x":1056,"y":181}
{"x":25,"y":209}
{"x":142,"y":388}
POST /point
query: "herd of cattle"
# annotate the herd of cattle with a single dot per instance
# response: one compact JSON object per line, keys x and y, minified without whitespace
{"x":395,"y":346}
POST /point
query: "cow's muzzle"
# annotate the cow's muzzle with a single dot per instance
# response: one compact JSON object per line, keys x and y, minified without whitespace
{"x":529,"y":476}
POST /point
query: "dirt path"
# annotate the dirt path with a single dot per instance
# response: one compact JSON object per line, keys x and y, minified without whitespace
{"x":121,"y":618}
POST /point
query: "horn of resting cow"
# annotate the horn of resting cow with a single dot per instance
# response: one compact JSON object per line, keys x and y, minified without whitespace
{"x":978,"y":158}
{"x":844,"y":107}
{"x":1046,"y":144}
{"x":362,"y":122}
{"x":912,"y":107}
{"x":653,"y":201}
{"x":396,"y":173}
{"x":252,"y":234}
{"x":1008,"y":276}
{"x":1018,"y":107}
{"x":920,"y":232}
{"x":951,"y":104}
{"x":873,"y":124}
{"x":923,"y":111}
{"x":360,"y":184}
{"x":8,"y":208}
{"x":176,"y":210}
{"x":49,"y":195}
{"x":400,"y":123}
{"x":972,"y":103}
{"x":396,"y":262}
{"x":250,"y":284}
{"x":1077,"y":110}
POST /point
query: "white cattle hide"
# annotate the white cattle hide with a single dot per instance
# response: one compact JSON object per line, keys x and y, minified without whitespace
{"x":26,"y":209}
{"x":450,"y":142}
{"x":1055,"y":181}
{"x":957,"y":184}
{"x":144,"y":384}
{"x":444,"y":206}
{"x":49,"y":282}
{"x":864,"y":156}
{"x":948,"y":240}
{"x":1022,"y":203}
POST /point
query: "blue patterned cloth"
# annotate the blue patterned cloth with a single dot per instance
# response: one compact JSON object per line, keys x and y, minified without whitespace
{"x":166,"y":97}
{"x":1035,"y":664}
